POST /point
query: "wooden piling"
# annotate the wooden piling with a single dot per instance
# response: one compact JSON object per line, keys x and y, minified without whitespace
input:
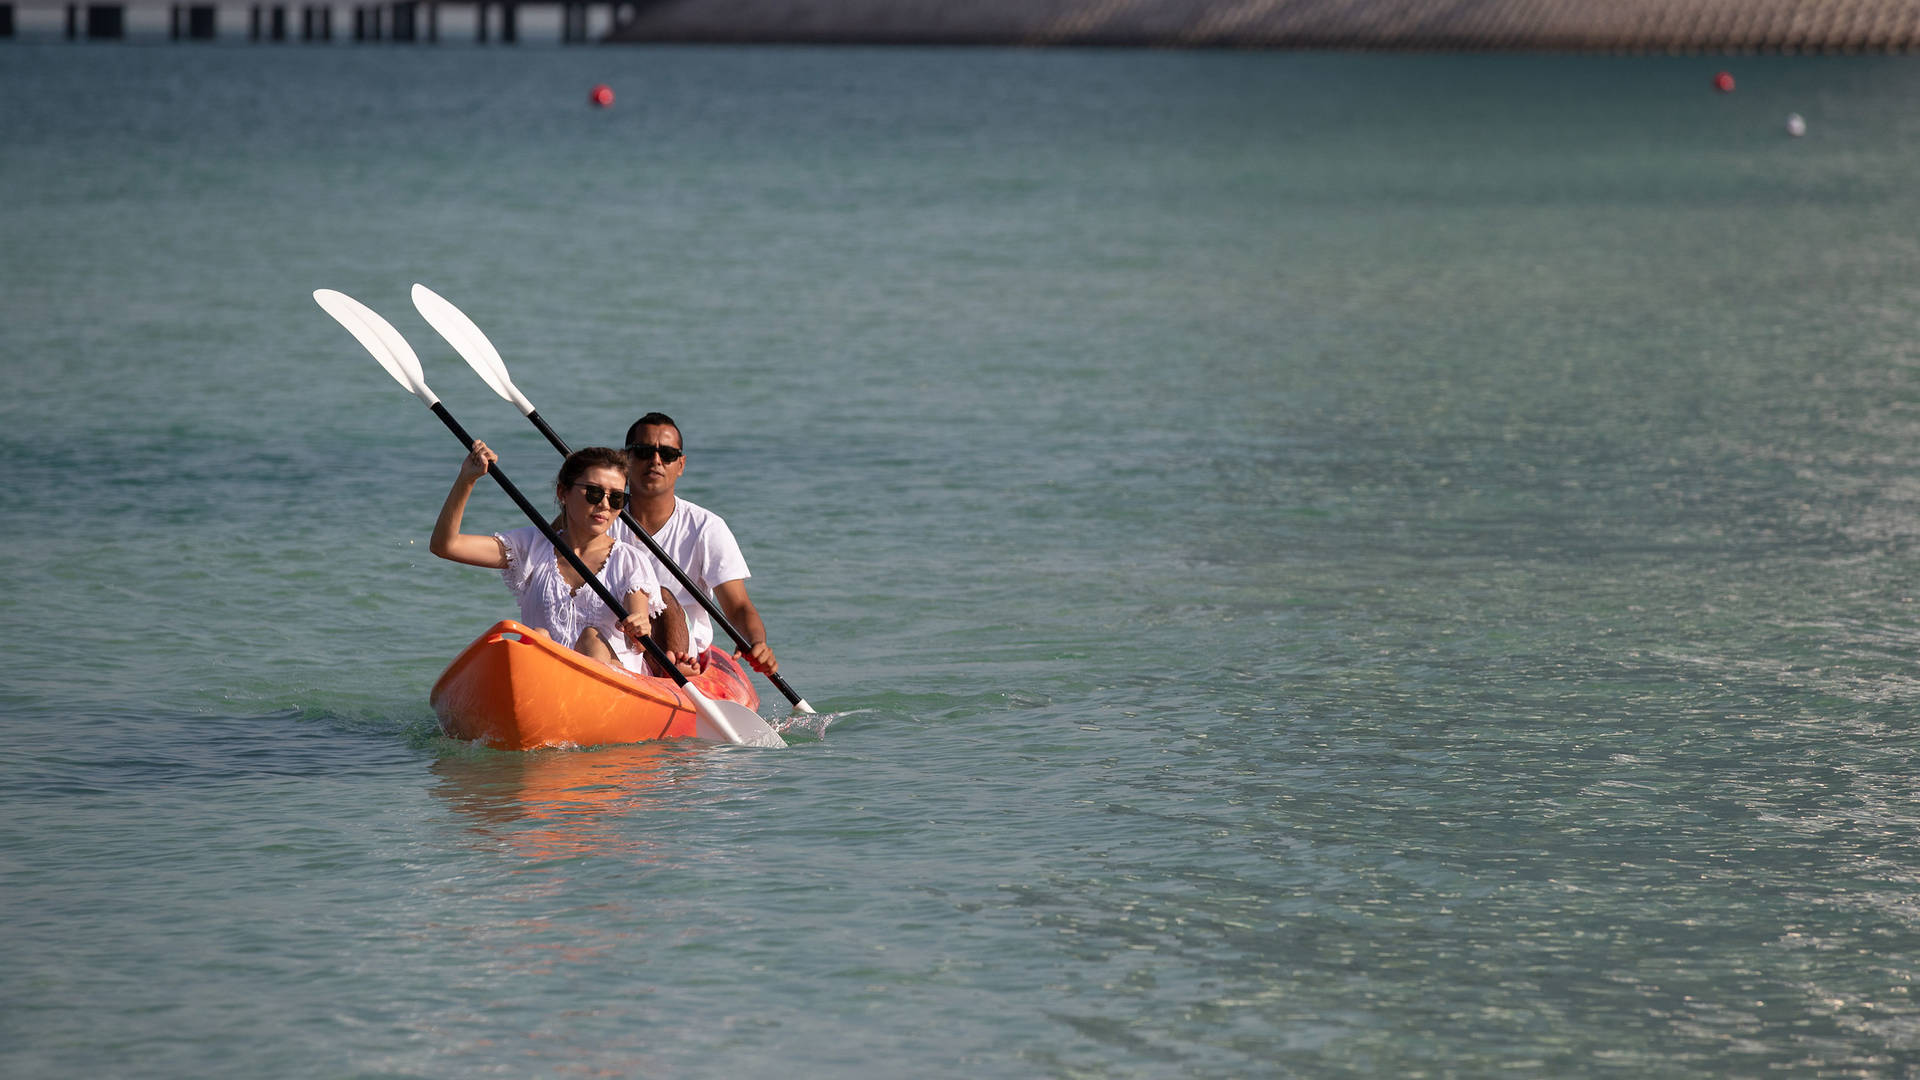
{"x":316,"y":22}
{"x":106,"y":22}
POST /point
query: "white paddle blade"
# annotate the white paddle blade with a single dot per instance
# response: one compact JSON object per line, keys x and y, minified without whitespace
{"x":467,"y":339}
{"x":730,"y":722}
{"x":379,"y":338}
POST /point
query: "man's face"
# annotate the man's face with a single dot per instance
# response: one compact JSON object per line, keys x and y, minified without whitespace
{"x":648,"y":475}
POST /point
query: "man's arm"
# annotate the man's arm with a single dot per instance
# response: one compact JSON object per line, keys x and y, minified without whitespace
{"x":732,"y":598}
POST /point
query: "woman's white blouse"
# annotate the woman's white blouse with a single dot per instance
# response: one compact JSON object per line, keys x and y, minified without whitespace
{"x":548,"y":603}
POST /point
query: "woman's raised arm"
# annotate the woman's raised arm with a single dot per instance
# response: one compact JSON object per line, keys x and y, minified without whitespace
{"x":448,"y":541}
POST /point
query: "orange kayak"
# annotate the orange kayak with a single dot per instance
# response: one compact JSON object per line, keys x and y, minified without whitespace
{"x":515,"y":689}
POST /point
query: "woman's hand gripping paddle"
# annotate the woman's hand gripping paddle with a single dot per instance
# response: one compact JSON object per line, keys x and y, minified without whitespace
{"x":719,"y":721}
{"x":480,"y":355}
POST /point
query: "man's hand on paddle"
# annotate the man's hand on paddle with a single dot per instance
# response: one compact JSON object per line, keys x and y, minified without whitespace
{"x":732,"y":598}
{"x":761,"y":657}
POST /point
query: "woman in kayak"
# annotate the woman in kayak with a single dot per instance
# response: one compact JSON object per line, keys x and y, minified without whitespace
{"x":591,"y":489}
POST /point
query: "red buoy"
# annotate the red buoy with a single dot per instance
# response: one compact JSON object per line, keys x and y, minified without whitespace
{"x":1723,"y":82}
{"x":602,"y":96}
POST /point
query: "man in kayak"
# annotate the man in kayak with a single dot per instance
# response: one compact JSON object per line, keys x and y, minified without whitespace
{"x":694,"y":537}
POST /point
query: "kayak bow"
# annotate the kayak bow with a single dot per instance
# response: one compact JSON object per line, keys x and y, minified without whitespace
{"x":517,"y":689}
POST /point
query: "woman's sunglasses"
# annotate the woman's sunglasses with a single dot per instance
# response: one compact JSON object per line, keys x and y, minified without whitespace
{"x":668,"y":454}
{"x":616,"y":500}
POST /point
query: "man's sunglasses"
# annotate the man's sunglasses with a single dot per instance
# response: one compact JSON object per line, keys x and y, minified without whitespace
{"x":616,"y":500}
{"x":668,"y":454}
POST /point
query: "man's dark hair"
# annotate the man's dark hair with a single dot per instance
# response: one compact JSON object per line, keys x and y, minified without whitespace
{"x":653,"y":419}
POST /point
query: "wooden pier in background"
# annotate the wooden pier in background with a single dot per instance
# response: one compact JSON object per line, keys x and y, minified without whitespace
{"x":401,"y":21}
{"x":1583,"y":26}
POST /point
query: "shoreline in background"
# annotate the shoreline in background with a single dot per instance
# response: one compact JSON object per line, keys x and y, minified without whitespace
{"x":1680,"y":27}
{"x":1738,"y":26}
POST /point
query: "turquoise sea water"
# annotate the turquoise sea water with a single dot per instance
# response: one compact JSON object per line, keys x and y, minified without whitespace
{"x":1322,"y":565}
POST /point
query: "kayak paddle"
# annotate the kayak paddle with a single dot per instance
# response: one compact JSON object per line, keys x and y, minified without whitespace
{"x":719,"y":721}
{"x":480,"y":355}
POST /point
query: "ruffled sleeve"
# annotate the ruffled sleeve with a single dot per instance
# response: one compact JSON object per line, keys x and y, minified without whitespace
{"x":516,"y":546}
{"x":629,"y":570}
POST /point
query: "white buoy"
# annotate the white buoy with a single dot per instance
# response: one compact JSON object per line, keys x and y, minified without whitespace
{"x":1796,"y":126}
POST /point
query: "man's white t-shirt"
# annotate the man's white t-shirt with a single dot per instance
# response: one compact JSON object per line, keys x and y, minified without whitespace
{"x":701,"y":543}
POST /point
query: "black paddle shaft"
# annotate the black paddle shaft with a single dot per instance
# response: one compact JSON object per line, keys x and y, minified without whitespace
{"x":713,"y":609}
{"x":654,"y":651}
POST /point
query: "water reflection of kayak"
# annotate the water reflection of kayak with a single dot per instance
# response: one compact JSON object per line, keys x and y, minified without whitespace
{"x":551,"y":804}
{"x":515,"y":689}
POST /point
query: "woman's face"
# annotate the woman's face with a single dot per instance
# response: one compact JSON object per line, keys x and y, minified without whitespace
{"x":589,"y":519}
